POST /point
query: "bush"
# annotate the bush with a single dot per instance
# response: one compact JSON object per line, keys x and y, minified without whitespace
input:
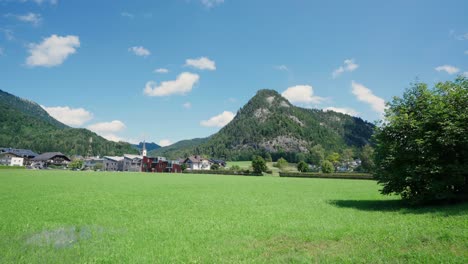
{"x":281,"y":163}
{"x":76,"y":165}
{"x":421,"y":149}
{"x":302,"y":167}
{"x":356,"y":176}
{"x":235,"y":168}
{"x":258,"y":164}
{"x":327,"y":167}
{"x":215,"y":167}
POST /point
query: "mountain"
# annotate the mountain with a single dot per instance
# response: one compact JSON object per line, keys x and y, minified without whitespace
{"x":183,"y":148}
{"x":24,"y":124}
{"x":269,"y":123}
{"x":149,"y":146}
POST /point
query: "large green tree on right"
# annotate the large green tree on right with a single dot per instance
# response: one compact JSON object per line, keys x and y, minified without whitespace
{"x":421,"y":150}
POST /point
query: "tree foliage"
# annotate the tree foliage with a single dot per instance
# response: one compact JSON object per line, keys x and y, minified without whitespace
{"x":76,"y":164}
{"x":281,"y":163}
{"x":258,"y":164}
{"x":327,"y":167}
{"x":422,"y":146}
{"x":302,"y":166}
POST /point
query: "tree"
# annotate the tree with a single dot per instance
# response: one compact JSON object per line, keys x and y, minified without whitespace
{"x":281,"y":163}
{"x":327,"y":167}
{"x":214,"y":167}
{"x":421,"y":148}
{"x":302,"y":166}
{"x":367,"y":159}
{"x":183,"y":167}
{"x":334,"y":158}
{"x":76,"y":164}
{"x":316,"y":155}
{"x":268,"y":157}
{"x":258,"y":164}
{"x":347,"y":155}
{"x":235,"y":168}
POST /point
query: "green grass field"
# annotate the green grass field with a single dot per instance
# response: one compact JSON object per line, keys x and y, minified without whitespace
{"x":100,"y":217}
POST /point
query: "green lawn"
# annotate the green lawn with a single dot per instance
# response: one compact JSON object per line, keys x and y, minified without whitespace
{"x":99,"y":217}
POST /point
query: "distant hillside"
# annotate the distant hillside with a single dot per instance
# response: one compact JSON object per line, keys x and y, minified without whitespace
{"x":24,"y":124}
{"x":179,"y":149}
{"x":269,"y":123}
{"x":149,"y":146}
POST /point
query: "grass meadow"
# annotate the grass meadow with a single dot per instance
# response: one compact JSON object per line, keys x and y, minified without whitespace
{"x":102,"y":217}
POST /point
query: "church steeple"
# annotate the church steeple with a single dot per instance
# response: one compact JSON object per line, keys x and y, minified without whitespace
{"x":144,"y":149}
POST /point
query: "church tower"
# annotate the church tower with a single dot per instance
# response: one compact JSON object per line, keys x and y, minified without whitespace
{"x":144,"y":149}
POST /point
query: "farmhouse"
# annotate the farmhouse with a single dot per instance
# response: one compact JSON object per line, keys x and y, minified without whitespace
{"x":197,"y":163}
{"x":50,"y":158}
{"x":91,"y":162}
{"x":15,"y":157}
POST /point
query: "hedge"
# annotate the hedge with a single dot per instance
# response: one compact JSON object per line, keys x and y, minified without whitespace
{"x":6,"y":167}
{"x":354,"y":176}
{"x":223,"y":172}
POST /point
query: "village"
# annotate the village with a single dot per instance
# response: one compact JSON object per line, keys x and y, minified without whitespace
{"x":127,"y":162}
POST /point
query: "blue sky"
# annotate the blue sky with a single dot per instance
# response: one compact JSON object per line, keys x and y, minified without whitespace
{"x":94,"y":63}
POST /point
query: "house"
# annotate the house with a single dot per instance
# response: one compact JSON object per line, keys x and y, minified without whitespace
{"x":6,"y":154}
{"x":92,"y":163}
{"x":160,"y":164}
{"x":113,"y":163}
{"x":50,"y":158}
{"x":132,"y":162}
{"x":16,"y":161}
{"x":197,"y":163}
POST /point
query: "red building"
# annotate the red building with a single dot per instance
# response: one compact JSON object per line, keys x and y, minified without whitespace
{"x":158,"y":164}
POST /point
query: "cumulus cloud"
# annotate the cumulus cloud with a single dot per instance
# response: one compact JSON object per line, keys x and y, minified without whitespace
{"x":40,"y":2}
{"x":448,"y":69}
{"x":69,"y":116}
{"x":139,"y":51}
{"x":465,"y":74}
{"x":302,"y":94}
{"x":343,"y":110}
{"x":182,"y":85}
{"x":161,"y":70}
{"x":107,"y":127}
{"x":202,"y":63}
{"x":187,"y":105}
{"x":348,"y":66}
{"x":164,"y":142}
{"x":52,"y":51}
{"x":364,"y":94}
{"x":211,"y":3}
{"x":219,"y":120}
{"x":112,"y":137}
{"x":8,"y":33}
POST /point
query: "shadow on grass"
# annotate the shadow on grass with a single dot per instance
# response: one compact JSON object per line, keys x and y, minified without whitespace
{"x":402,"y":207}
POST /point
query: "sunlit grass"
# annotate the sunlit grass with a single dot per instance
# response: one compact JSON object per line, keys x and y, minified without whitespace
{"x":96,"y":217}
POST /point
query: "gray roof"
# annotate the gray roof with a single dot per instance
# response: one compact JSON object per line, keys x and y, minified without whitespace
{"x":50,"y":155}
{"x":25,"y":153}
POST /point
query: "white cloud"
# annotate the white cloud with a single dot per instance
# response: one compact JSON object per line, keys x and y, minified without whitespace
{"x":348,"y":66}
{"x":281,"y":68}
{"x":302,"y":94}
{"x":139,"y":51}
{"x":52,"y":51}
{"x":112,"y":137}
{"x":343,"y":110}
{"x":126,"y":14}
{"x":32,"y":18}
{"x":211,"y":3}
{"x":69,"y":116}
{"x":218,"y":121}
{"x":161,"y":70}
{"x":462,"y":37}
{"x":364,"y":94}
{"x":107,"y":127}
{"x":164,"y":142}
{"x":448,"y":69}
{"x":202,"y":63}
{"x":187,"y":105}
{"x":465,"y":74}
{"x":182,"y":85}
{"x":40,"y":2}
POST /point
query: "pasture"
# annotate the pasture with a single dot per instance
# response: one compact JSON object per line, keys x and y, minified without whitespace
{"x":102,"y":217}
